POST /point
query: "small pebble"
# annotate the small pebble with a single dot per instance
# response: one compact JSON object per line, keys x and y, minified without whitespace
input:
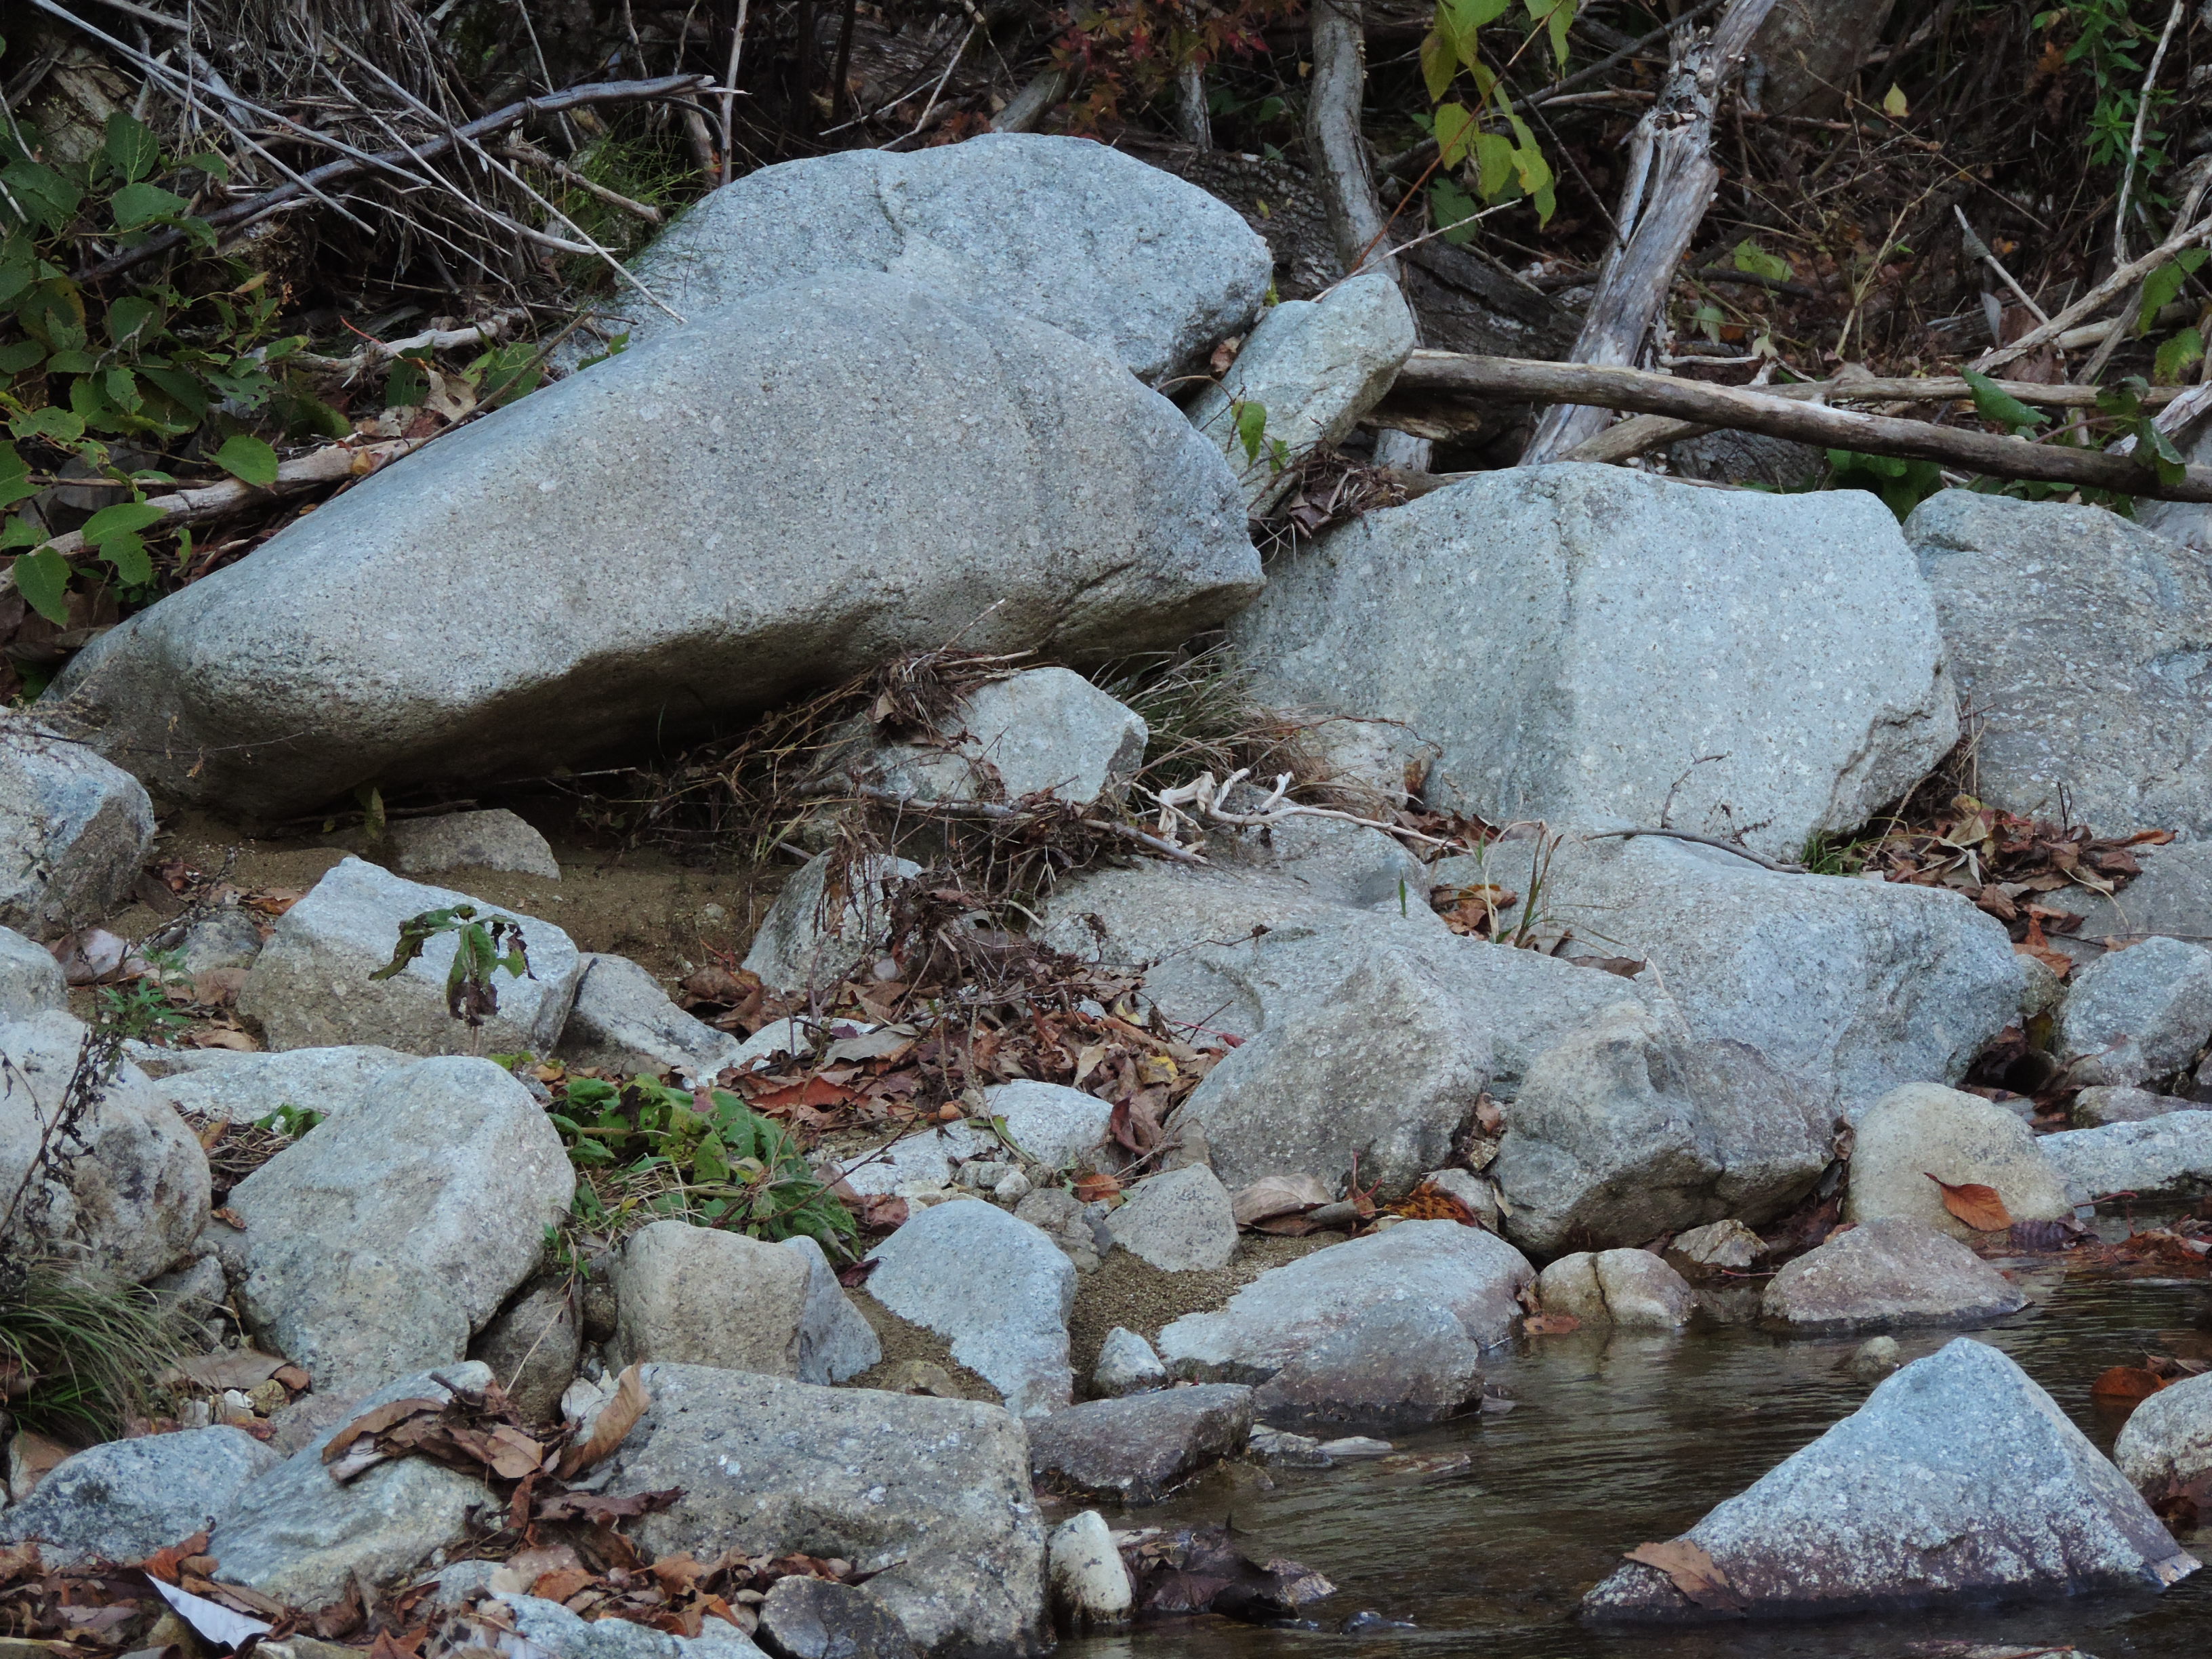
{"x":713,"y":913}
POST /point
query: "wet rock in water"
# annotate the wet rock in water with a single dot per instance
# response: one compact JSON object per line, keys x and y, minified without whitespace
{"x":1141,"y":1449}
{"x":2165,"y":1155}
{"x":835,"y":1341}
{"x":2068,"y":627}
{"x":297,"y":1534}
{"x":2096,"y":1107}
{"x":1045,"y":730}
{"x":1054,"y":1125}
{"x":2139,"y":1013}
{"x":930,"y":1496}
{"x":350,"y":648}
{"x":1060,"y":1217}
{"x":1803,"y":649}
{"x":2167,"y":1441}
{"x":555,"y":1630}
{"x":1925,"y":1129}
{"x":310,"y":987}
{"x":1475,"y":1276}
{"x":1874,"y":1358}
{"x":1725,"y":1246}
{"x":1008,"y":1320}
{"x":1127,"y":1364}
{"x":623,"y":1021}
{"x":800,"y":944}
{"x":1090,"y":1588}
{"x":1179,"y":1222}
{"x":1398,"y":1365}
{"x":810,"y":1617}
{"x":494,"y":839}
{"x":134,"y":1197}
{"x":531,"y":1346}
{"x":245,"y":1088}
{"x":30,"y":979}
{"x":1355,"y":1448}
{"x":1959,"y":1479}
{"x":228,"y":939}
{"x":126,"y":1498}
{"x":698,"y":1296}
{"x":1892,"y":1272}
{"x":1630,"y":1288}
{"x":387,"y":1237}
{"x":1312,"y":367}
{"x":73,"y":831}
{"x":1622,"y":1131}
{"x":1281,"y":1449}
{"x":1194,"y":1569}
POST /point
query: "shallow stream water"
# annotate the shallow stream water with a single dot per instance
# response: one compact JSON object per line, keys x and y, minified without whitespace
{"x":1621,"y":1439}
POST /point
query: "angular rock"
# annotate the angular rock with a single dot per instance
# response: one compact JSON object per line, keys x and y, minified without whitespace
{"x":1475,"y":1276}
{"x":809,"y":1618}
{"x":73,"y":831}
{"x":2172,"y":896}
{"x":245,"y":1088}
{"x":128,"y":1193}
{"x":2076,"y":635}
{"x":622,"y":1021}
{"x":1799,"y":646}
{"x":352,"y":647}
{"x":387,"y":1237}
{"x":1056,"y":1127}
{"x":930,"y":1496}
{"x":1855,"y":987}
{"x":296,"y":1534}
{"x":554,"y":1629}
{"x":1397,"y":1365}
{"x":126,"y":1498}
{"x":799,"y":946}
{"x":1179,"y":1222}
{"x":495,"y":839}
{"x":2139,"y":1013}
{"x":697,"y":1296}
{"x":2168,"y":1440}
{"x":1903,"y":1503}
{"x":1925,"y":1129}
{"x":997,"y":1286}
{"x":1634,"y":1289}
{"x":1726,"y":1244}
{"x":533,"y":1345}
{"x":1056,"y":1213}
{"x":228,"y":939}
{"x":1478,"y":1192}
{"x":1127,"y":1364}
{"x":1090,"y":1587}
{"x":310,"y":987}
{"x":1622,"y":1131}
{"x":30,"y":979}
{"x":1893,"y":1274}
{"x":1045,"y":730}
{"x":1141,"y":1448}
{"x":1314,"y":367}
{"x":2097,"y":1107}
{"x":2168,"y":1155}
{"x":1063,"y":231}
{"x":835,"y":1341}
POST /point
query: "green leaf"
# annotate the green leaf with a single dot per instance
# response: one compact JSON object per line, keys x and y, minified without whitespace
{"x":1755,"y":261}
{"x":2177,"y":355}
{"x":49,"y":198}
{"x":42,"y":578}
{"x":130,"y":318}
{"x":56,"y":425}
{"x":1556,"y":17}
{"x":1453,"y":207}
{"x":1993,"y":403}
{"x":1454,"y":124}
{"x":22,"y":354}
{"x":131,"y":150}
{"x":1439,"y":59}
{"x":2158,"y":449}
{"x":210,"y":163}
{"x":1251,"y":428}
{"x":1493,"y":165}
{"x":124,"y":518}
{"x":2162,"y":285}
{"x":136,"y":204}
{"x":127,"y":553}
{"x":248,"y":458}
{"x":71,"y":362}
{"x":182,"y":389}
{"x":406,"y":385}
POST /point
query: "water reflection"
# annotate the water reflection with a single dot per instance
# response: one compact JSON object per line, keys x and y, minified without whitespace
{"x":1621,"y":1439}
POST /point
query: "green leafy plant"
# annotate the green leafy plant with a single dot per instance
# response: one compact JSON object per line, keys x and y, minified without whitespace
{"x":483,"y":946}
{"x":2160,"y":290}
{"x":2124,"y":403}
{"x":1902,"y":484}
{"x":1499,"y":166}
{"x":1252,"y":437}
{"x":141,"y":1010}
{"x":289,"y":1120}
{"x":2110,"y":46}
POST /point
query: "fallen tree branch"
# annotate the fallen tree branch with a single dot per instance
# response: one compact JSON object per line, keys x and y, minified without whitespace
{"x":1357,"y":223}
{"x":1743,"y":409}
{"x":435,"y":339}
{"x":999,"y":814}
{"x":1760,"y":859}
{"x":2118,"y":282}
{"x":1206,"y":796}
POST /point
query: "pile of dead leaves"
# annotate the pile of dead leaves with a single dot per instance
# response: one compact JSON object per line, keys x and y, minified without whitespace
{"x":2181,"y":1249}
{"x":676,"y":1594}
{"x":1189,"y":1570}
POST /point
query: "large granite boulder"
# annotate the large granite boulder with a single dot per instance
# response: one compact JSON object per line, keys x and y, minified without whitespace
{"x":1924,"y":1130}
{"x":73,"y":829}
{"x":1733,"y":662}
{"x":2167,"y":1441}
{"x":2139,"y":1014}
{"x":1141,"y":1448}
{"x":698,"y":1296}
{"x":238,"y":1087}
{"x":2164,"y":1155}
{"x":1888,"y":1274}
{"x":124,"y":1499}
{"x":484,"y":609}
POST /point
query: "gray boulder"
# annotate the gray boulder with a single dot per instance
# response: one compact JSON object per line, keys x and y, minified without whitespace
{"x":1475,"y":1276}
{"x":1924,"y":1130}
{"x":126,"y":1194}
{"x":495,"y":839}
{"x":1638,"y":625}
{"x":1622,"y":1131}
{"x":1054,"y":1126}
{"x":1046,"y":731}
{"x":2168,"y":1440}
{"x":2139,"y":1013}
{"x":2169,"y":1155}
{"x":930,"y":1496}
{"x":310,"y":987}
{"x":1127,"y":1364}
{"x":387,"y":1237}
{"x":835,"y":1341}
{"x":1888,"y":1274}
{"x":30,"y":979}
{"x":126,"y":1498}
{"x":1719,"y":1245}
{"x":1315,"y":367}
{"x":297,"y":1534}
{"x":1397,"y":1365}
{"x":1633,"y":1289}
{"x":73,"y":831}
{"x":1141,"y":1448}
{"x":1179,"y":1222}
{"x":801,"y":945}
{"x":1078,"y":1229}
{"x":245,"y":1088}
{"x":623,"y":1021}
{"x":554,"y":1629}
{"x":2172,"y":896}
{"x":353,"y":647}
{"x":810,"y":1617}
{"x":997,"y":1286}
{"x":225,"y":938}
{"x":696,"y":1296}
{"x":1059,"y":231}
{"x":2095,"y":1108}
{"x":531,"y":1346}
{"x":1911,"y":1502}
{"x":2078,"y":637}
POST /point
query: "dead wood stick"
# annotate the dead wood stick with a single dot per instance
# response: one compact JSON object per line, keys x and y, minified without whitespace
{"x":999,"y":814}
{"x":1357,"y":223}
{"x":1778,"y":868}
{"x":1603,"y":386}
{"x":2097,"y":298}
{"x":435,"y":339}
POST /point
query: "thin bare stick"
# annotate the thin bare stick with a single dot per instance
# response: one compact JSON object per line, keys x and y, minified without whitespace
{"x":2136,"y":137}
{"x":534,"y":156}
{"x":729,"y":95}
{"x":2118,"y":282}
{"x":1977,"y":249}
{"x":436,"y":339}
{"x":1779,"y":869}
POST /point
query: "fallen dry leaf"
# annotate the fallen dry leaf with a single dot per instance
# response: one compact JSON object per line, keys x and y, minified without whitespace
{"x":1550,"y":1325}
{"x":1274,"y":1196}
{"x":615,"y":1418}
{"x":1695,"y":1573}
{"x":2126,"y":1385}
{"x":1978,"y":1205}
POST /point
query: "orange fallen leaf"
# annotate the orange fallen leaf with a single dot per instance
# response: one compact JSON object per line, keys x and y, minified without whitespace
{"x":2126,"y":1385}
{"x":1978,"y":1207}
{"x":1695,"y":1573}
{"x":616,"y":1419}
{"x":1550,"y":1324}
{"x":1091,"y":1188}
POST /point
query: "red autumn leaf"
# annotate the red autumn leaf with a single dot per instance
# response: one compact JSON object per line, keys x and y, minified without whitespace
{"x":2126,"y":1385}
{"x":1695,"y":1573}
{"x":1978,"y":1207}
{"x":815,"y":1091}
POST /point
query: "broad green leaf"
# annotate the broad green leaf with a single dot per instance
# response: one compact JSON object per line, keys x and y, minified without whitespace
{"x":181,"y":388}
{"x":210,"y":163}
{"x":58,"y":425}
{"x":1468,"y":15}
{"x":2158,"y":449}
{"x":1251,"y":428}
{"x":1993,"y":403}
{"x":132,"y":318}
{"x":131,"y":150}
{"x":1554,"y":15}
{"x":124,"y":518}
{"x":2178,"y":355}
{"x":12,"y":463}
{"x":1493,"y":165}
{"x":1453,"y":207}
{"x":1755,"y":261}
{"x":2162,"y":285}
{"x":248,"y":458}
{"x":22,"y":354}
{"x":406,"y":385}
{"x":54,"y":313}
{"x":127,"y":553}
{"x":137,"y":204}
{"x":48,"y":197}
{"x":71,"y":362}
{"x":1439,"y":60}
{"x":1454,"y":125}
{"x":42,"y":578}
